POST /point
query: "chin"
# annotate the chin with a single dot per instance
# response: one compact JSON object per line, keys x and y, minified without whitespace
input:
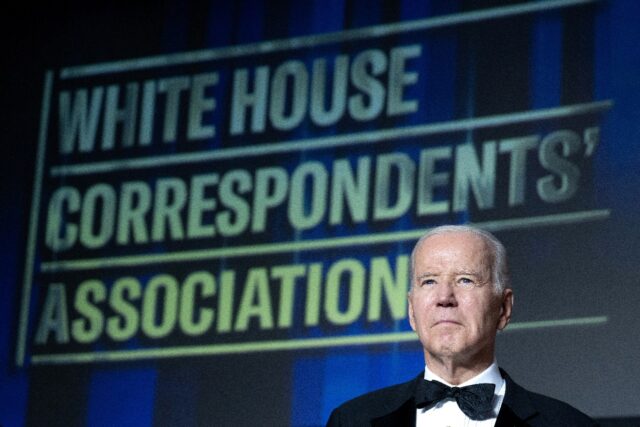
{"x":446,"y":348}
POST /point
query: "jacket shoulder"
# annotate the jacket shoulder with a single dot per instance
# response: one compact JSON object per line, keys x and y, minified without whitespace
{"x":378,"y":404}
{"x":539,"y":410}
{"x":553,"y":410}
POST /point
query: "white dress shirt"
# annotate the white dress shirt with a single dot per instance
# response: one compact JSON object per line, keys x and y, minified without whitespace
{"x":446,"y":412}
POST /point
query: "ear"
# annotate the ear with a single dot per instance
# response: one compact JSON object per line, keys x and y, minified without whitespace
{"x":506,"y":305}
{"x":412,"y":320}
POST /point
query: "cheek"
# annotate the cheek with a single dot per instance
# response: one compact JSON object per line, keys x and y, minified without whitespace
{"x":412,"y":321}
{"x":484,"y":317}
{"x":418,"y":311}
{"x":481,"y":313}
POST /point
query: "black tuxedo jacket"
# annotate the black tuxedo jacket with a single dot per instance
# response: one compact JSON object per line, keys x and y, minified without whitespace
{"x":395,"y":406}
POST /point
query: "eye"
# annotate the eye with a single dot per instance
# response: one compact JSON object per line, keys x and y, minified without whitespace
{"x":466,"y":282}
{"x":427,"y":282}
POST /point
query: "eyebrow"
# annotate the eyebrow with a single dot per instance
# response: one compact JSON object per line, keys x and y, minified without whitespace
{"x":427,"y":274}
{"x":457,"y":273}
{"x":468,"y":273}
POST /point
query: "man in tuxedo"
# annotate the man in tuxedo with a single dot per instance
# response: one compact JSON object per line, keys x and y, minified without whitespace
{"x":460,"y":297}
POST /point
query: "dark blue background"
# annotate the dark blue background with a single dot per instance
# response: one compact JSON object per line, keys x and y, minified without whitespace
{"x":579,"y":54}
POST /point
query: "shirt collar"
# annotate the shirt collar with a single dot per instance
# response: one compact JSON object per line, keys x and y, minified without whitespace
{"x":491,"y":375}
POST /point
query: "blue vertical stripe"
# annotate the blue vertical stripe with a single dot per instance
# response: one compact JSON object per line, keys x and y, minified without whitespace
{"x":346,"y":376}
{"x":308,"y":378}
{"x":121,"y":397}
{"x":13,"y":383}
{"x":546,"y":61}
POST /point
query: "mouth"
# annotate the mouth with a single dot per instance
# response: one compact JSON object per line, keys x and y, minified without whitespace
{"x":447,"y":323}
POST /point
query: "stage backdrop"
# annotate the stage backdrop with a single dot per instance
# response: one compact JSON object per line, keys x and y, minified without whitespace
{"x":208,"y":209}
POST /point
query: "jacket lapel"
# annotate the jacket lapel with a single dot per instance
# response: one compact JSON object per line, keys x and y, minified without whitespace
{"x":516,"y":407}
{"x":405,"y":415}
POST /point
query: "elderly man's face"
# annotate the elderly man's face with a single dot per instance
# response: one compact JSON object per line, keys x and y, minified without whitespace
{"x":453,"y":305}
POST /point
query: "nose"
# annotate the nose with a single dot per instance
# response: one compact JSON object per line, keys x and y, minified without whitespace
{"x":445,"y":294}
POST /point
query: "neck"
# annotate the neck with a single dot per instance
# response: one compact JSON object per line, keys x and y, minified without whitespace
{"x":455,"y":371}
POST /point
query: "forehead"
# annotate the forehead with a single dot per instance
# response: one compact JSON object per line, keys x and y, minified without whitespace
{"x":462,"y":250}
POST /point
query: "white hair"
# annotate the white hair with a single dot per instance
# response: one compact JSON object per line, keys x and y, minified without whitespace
{"x":499,"y":264}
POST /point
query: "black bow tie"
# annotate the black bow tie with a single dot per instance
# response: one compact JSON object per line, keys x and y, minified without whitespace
{"x":476,"y":401}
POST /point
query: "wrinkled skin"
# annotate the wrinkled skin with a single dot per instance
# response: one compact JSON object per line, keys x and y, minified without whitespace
{"x":454,"y":306}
